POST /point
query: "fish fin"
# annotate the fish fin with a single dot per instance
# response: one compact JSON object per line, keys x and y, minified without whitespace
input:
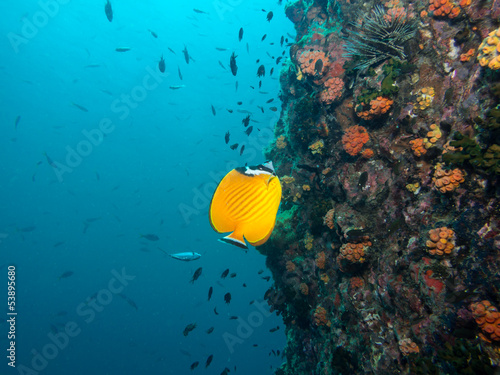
{"x":235,"y":239}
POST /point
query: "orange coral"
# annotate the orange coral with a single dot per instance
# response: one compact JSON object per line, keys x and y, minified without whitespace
{"x":324,"y":277}
{"x":290,"y":266}
{"x":354,"y":139}
{"x":444,"y":8}
{"x":320,"y":260}
{"x":441,"y":241}
{"x":408,"y":347}
{"x":354,"y":252}
{"x":320,"y":317}
{"x":280,"y":142}
{"x":487,"y":318}
{"x":417,"y":145}
{"x":328,"y":220}
{"x":367,"y":153}
{"x":356,"y":283}
{"x":334,"y":87}
{"x":395,"y":13}
{"x":464,"y":57}
{"x":304,"y":289}
{"x":309,"y":62}
{"x":446,"y":180}
{"x":378,"y":107}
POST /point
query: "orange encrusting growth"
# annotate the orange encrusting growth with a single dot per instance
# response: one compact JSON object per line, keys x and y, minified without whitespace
{"x":408,"y":347}
{"x":447,"y":180}
{"x":378,"y":107}
{"x":441,"y":241}
{"x":308,"y":60}
{"x":334,"y":87}
{"x":354,"y":139}
{"x":444,"y":8}
{"x":487,"y":318}
{"x":320,"y":317}
{"x":353,"y":252}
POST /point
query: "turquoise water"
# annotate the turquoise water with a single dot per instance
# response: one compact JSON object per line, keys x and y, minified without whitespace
{"x":99,"y":147}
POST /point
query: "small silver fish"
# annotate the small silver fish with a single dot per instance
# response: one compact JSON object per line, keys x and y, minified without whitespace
{"x":187,"y":257}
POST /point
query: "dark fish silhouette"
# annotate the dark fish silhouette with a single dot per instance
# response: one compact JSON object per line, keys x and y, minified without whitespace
{"x":234,"y":147}
{"x":122,"y":49}
{"x":220,"y":49}
{"x":196,"y":275}
{"x":155,"y":35}
{"x":233,"y":275}
{"x":233,"y":317}
{"x":274,"y":109}
{"x":189,"y":328}
{"x":210,"y":330}
{"x":240,"y":34}
{"x":270,"y":100}
{"x":269,"y":16}
{"x":261,"y":71}
{"x":224,"y":274}
{"x":209,"y":360}
{"x":109,"y":11}
{"x":161,"y":64}
{"x":18,"y":118}
{"x":179,"y":71}
{"x":223,"y":67}
{"x":232,"y":64}
{"x":227,"y":298}
{"x":226,"y":137}
{"x":249,"y":130}
{"x":80,"y":107}
{"x":215,"y":311}
{"x":171,"y":50}
{"x":150,"y":237}
{"x":210,"y":291}
{"x":282,"y":40}
{"x":194,"y":365}
{"x":246,"y":121}
{"x":213,"y":112}
{"x":186,"y":54}
{"x":271,"y":71}
{"x":263,"y":37}
{"x":65,"y":275}
{"x":242,"y":149}
{"x":274,"y":329}
{"x":318,"y":67}
{"x":199,"y":11}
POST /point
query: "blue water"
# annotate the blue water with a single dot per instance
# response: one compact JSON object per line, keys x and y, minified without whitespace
{"x":79,"y":187}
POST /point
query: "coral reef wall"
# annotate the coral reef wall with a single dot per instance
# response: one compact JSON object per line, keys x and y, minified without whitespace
{"x":385,"y":253}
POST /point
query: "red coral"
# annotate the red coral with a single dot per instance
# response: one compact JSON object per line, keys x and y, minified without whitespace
{"x":434,"y":284}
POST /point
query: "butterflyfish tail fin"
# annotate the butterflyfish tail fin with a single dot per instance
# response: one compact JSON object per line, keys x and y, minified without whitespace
{"x":235,"y":239}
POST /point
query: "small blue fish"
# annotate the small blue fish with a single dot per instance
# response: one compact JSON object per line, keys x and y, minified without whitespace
{"x":187,"y":257}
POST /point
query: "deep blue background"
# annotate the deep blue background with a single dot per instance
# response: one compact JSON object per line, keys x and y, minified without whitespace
{"x":154,"y":172}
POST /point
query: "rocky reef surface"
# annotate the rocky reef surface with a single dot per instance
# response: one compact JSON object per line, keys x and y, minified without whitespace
{"x":385,"y":253}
